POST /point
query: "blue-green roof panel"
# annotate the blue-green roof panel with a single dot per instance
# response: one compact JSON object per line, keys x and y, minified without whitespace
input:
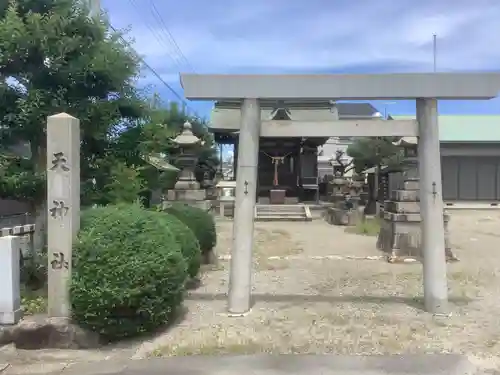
{"x":465,"y":128}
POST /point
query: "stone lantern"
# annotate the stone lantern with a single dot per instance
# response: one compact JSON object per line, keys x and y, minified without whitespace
{"x":187,"y":189}
{"x":189,"y":144}
{"x":400,"y":231}
{"x":410,"y":155}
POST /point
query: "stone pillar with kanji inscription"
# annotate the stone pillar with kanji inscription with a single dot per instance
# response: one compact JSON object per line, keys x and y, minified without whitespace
{"x":63,"y":203}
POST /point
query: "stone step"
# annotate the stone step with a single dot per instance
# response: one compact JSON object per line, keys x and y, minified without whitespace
{"x":301,"y":213}
{"x":271,"y":213}
{"x":282,"y":218}
{"x":275,"y":212}
{"x":279,"y":208}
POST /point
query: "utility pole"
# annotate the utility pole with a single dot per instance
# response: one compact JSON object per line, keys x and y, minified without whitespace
{"x":95,"y":8}
{"x":434,"y":50}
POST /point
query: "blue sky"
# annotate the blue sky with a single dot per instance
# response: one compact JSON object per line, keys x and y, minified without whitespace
{"x":313,"y":36}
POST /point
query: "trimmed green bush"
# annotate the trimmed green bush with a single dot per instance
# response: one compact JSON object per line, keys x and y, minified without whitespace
{"x":128,"y":272}
{"x":200,"y":222}
{"x":188,"y":242}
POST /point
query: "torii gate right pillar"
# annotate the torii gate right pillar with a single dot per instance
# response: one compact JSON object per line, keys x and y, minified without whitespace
{"x":431,"y":208}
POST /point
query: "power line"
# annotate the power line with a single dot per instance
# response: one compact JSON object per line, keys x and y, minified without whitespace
{"x":159,"y":37}
{"x":95,"y":8}
{"x":170,"y":36}
{"x":150,"y":68}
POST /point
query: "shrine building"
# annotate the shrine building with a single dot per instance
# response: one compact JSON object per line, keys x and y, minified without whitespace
{"x":289,"y":164}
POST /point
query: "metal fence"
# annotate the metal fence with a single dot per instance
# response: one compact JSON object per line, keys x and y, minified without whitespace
{"x":9,"y":221}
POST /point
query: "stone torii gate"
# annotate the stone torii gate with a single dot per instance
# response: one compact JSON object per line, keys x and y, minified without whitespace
{"x":426,"y":88}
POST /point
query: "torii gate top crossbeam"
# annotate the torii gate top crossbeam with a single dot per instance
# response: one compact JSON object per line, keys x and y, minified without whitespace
{"x":342,"y":86}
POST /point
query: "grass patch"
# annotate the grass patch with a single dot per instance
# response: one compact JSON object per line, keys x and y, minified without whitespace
{"x":275,"y":243}
{"x":245,"y":347}
{"x":33,"y":301}
{"x":366,"y":227}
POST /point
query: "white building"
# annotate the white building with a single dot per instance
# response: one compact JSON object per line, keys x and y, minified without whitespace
{"x":327,"y":154}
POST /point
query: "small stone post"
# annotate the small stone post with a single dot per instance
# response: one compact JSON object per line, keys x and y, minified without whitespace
{"x":10,"y":280}
{"x":63,"y":202}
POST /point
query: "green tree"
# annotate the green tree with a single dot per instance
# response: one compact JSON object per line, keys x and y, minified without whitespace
{"x":370,"y":152}
{"x":153,"y":136}
{"x":55,"y":59}
{"x":173,"y":118}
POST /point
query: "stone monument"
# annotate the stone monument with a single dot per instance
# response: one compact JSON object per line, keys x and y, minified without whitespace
{"x":63,"y":199}
{"x":400,"y":231}
{"x":187,"y":189}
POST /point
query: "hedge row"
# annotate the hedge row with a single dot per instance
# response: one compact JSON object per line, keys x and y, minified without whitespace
{"x":130,"y":266}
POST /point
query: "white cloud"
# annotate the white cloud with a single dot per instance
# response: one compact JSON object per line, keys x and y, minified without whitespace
{"x":317,"y":35}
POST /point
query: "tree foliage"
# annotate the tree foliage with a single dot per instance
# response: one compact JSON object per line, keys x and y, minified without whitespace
{"x":55,"y":59}
{"x":154,"y":137}
{"x":369,"y":152}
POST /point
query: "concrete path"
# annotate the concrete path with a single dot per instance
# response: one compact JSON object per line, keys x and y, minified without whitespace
{"x":270,"y":365}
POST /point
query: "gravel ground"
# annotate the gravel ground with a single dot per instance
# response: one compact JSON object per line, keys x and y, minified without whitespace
{"x":327,"y":291}
{"x":318,"y":289}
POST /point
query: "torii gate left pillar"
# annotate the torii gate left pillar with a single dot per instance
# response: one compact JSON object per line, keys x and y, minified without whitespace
{"x":240,"y":277}
{"x":424,"y":87}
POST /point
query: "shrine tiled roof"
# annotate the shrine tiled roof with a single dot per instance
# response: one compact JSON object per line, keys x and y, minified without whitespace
{"x":228,"y":112}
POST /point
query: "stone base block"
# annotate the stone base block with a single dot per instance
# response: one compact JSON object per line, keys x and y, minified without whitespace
{"x":277,"y":196}
{"x":205,"y":205}
{"x":405,"y":195}
{"x":411,"y":185}
{"x":187,"y":195}
{"x":339,"y":216}
{"x":402,"y":207}
{"x":402,"y":241}
{"x":48,"y":333}
{"x":10,"y":317}
{"x":211,"y":193}
{"x":187,"y":185}
{"x":411,"y":217}
{"x":336,"y":197}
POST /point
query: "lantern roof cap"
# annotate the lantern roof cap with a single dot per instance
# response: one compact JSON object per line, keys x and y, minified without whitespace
{"x":186,"y":137}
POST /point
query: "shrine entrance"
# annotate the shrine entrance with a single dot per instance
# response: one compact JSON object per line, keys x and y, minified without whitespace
{"x":288,"y":166}
{"x":247,"y":92}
